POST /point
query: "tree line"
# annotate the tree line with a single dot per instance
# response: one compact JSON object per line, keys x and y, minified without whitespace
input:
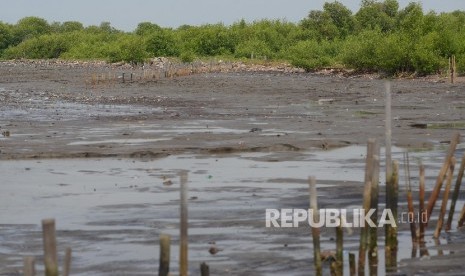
{"x":379,"y":37}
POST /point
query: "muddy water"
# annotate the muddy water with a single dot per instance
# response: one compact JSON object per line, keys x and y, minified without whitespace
{"x":111,"y":211}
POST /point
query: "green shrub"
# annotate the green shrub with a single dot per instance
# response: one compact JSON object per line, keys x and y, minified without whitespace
{"x":187,"y":56}
{"x":361,"y":51}
{"x":42,"y":47}
{"x":311,"y":55}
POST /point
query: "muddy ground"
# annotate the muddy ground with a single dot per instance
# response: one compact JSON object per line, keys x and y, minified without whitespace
{"x":62,"y":129}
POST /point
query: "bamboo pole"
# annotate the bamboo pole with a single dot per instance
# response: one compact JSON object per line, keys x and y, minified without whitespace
{"x":373,"y":231}
{"x":462,"y":216}
{"x":452,"y":67}
{"x":442,"y":173}
{"x":352,"y":268}
{"x":340,"y":249}
{"x":455,"y":195}
{"x":391,"y":232}
{"x":422,"y":205}
{"x":183,"y":256}
{"x":67,"y":262}
{"x":364,"y":231}
{"x":165,"y":242}
{"x":411,"y":211}
{"x":367,"y":195}
{"x":50,"y":247}
{"x":315,"y":231}
{"x":445,"y":199}
{"x":204,"y":269}
{"x":388,"y":131}
{"x":29,"y":266}
{"x":333,"y":267}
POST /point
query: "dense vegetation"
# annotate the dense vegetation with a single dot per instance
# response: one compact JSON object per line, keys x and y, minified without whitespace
{"x":378,"y":37}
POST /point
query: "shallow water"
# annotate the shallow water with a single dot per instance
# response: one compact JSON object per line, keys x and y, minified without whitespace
{"x":111,"y":211}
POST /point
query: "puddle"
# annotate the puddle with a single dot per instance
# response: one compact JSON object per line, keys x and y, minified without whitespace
{"x":111,"y":211}
{"x":43,"y":110}
{"x":118,"y":141}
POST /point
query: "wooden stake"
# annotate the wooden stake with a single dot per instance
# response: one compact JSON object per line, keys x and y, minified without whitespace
{"x":339,"y":249}
{"x":165,"y":242}
{"x":50,"y":247}
{"x":388,"y":131}
{"x":352,"y":267}
{"x":445,"y":198}
{"x":462,"y":216}
{"x":367,"y":194}
{"x":29,"y":266}
{"x":204,"y":269}
{"x":183,"y":259}
{"x":455,"y":195}
{"x":411,"y":211}
{"x":422,"y":206}
{"x":452,"y":68}
{"x":364,"y":231}
{"x":373,"y":231}
{"x":67,"y":262}
{"x":315,"y":231}
{"x":439,"y":181}
{"x":392,"y":193}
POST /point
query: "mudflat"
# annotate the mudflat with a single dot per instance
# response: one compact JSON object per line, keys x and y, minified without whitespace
{"x":97,"y":154}
{"x":55,"y":111}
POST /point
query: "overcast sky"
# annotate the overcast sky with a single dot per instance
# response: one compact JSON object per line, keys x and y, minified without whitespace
{"x":126,"y":14}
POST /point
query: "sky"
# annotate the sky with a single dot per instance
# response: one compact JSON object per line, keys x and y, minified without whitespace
{"x":126,"y":14}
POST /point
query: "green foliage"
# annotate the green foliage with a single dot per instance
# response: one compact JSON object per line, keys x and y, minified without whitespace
{"x":187,"y":56}
{"x":377,"y":15}
{"x":6,"y":36}
{"x":378,"y":37}
{"x":162,"y":43}
{"x":147,"y":28}
{"x":45,"y":46}
{"x":311,"y":54}
{"x":29,"y":27}
{"x":362,"y":56}
{"x":128,"y":48}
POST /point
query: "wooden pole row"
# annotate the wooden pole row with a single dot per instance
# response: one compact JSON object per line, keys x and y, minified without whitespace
{"x":50,"y":253}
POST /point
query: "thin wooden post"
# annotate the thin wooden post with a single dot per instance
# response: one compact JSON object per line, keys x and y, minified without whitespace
{"x":352,"y":267}
{"x":315,"y":230}
{"x":67,"y":262}
{"x":183,"y":255}
{"x":411,"y":211}
{"x":50,"y":247}
{"x":29,"y":266}
{"x":373,"y":235}
{"x":445,"y":199}
{"x":455,"y":195}
{"x":388,"y":131}
{"x":339,"y":249}
{"x":165,"y":243}
{"x":422,"y":206}
{"x":442,"y":173}
{"x":392,"y":194}
{"x":367,"y":194}
{"x":204,"y":269}
{"x":364,"y":231}
{"x":452,"y":67}
{"x":462,"y":216}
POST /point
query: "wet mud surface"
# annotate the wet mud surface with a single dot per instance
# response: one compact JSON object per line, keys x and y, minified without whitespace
{"x":97,"y":158}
